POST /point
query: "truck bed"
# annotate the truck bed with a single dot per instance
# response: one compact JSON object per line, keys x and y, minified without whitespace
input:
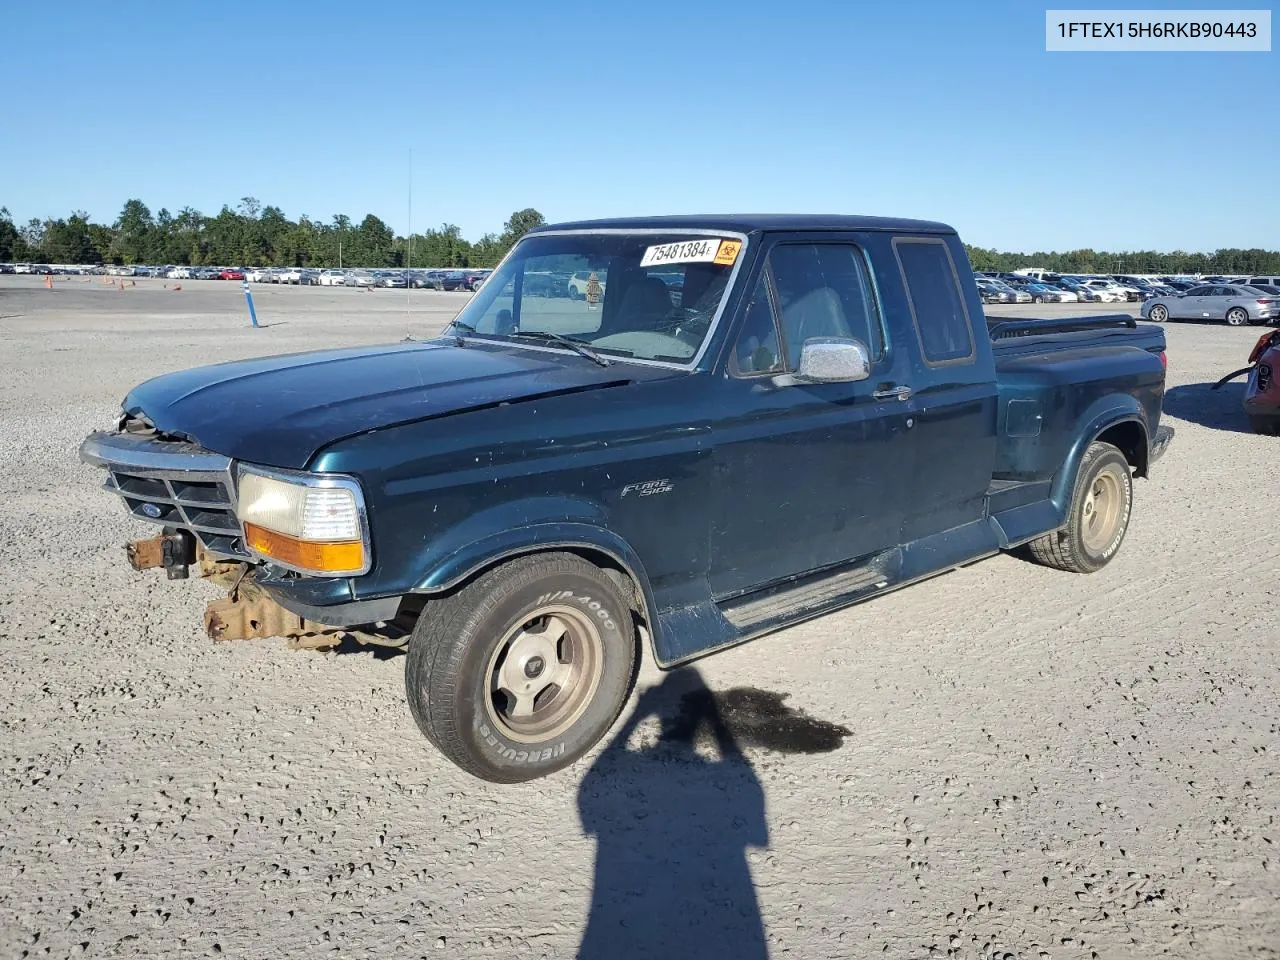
{"x":1053,"y":374}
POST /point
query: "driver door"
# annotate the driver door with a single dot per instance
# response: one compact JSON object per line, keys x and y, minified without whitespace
{"x":806,"y":475}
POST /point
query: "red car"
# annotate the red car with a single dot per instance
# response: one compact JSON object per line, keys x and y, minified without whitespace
{"x":231,"y":274}
{"x":1262,"y":390}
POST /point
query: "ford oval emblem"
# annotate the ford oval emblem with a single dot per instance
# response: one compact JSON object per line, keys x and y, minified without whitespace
{"x":151,"y":510}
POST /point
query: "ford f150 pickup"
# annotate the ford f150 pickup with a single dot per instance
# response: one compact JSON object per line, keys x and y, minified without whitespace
{"x":744,"y":422}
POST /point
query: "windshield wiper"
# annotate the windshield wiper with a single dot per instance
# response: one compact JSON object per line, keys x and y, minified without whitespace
{"x":575,"y":345}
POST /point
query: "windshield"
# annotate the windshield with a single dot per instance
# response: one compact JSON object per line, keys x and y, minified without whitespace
{"x":643,"y":295}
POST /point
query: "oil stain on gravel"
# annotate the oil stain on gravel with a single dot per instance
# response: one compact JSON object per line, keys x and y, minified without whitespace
{"x":758,"y":718}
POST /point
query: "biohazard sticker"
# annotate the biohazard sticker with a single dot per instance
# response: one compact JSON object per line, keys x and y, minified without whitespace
{"x":728,"y":252}
{"x":706,"y":250}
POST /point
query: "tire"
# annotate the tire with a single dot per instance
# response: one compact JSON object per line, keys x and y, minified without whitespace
{"x":1267,"y":426}
{"x":1099,"y":515}
{"x":1158,"y":313}
{"x":462,"y":665}
{"x":1237,"y":317}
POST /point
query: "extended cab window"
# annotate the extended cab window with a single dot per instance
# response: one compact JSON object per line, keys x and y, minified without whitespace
{"x":807,"y":290}
{"x":937,"y":305}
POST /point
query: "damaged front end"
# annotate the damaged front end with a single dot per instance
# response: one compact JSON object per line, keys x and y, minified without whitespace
{"x":191,"y":494}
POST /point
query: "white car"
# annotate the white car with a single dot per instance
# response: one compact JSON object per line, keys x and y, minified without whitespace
{"x":578,"y":284}
{"x":332,"y":278}
{"x":1107,"y":291}
{"x":291,"y":275}
{"x":258,"y":275}
{"x":179,"y":273}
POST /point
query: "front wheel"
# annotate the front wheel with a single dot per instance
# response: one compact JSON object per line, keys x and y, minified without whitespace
{"x":1098,"y":518}
{"x":522,"y":671}
{"x":1158,"y":313}
{"x":1237,"y":317}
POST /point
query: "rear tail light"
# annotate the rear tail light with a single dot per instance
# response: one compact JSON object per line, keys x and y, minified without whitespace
{"x":1164,"y":361}
{"x":1263,"y":343}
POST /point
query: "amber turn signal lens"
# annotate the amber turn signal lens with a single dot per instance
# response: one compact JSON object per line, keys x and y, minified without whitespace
{"x":343,"y":556}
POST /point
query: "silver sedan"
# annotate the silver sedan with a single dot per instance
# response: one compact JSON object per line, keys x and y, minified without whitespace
{"x":1236,"y":304}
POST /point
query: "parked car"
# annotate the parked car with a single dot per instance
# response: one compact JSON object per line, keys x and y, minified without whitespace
{"x":680,"y":480}
{"x":454,"y":280}
{"x":179,"y":273}
{"x":358,"y":278}
{"x":545,"y":283}
{"x":332,"y":278}
{"x":990,"y":292}
{"x":1106,"y":290}
{"x":578,"y":281}
{"x":391,"y":278}
{"x":291,"y":275}
{"x":1237,"y":305}
{"x":1047,"y":293}
{"x":1269,"y":281}
{"x":206,"y":273}
{"x":231,"y":273}
{"x":1262,"y":391}
{"x":1083,"y":294}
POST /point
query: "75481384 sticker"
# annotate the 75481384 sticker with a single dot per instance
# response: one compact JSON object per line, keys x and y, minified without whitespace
{"x":703,"y":250}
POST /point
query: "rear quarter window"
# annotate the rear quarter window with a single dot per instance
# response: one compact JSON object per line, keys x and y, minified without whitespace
{"x":937,"y":303}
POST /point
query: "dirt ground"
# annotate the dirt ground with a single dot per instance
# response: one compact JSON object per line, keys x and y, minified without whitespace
{"x":1036,"y":764}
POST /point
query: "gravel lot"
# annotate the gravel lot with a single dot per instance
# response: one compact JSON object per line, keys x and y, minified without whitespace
{"x":1038,"y":764}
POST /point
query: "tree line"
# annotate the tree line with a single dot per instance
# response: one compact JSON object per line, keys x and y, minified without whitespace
{"x":1227,"y":261}
{"x":250,"y":235}
{"x":254,"y":235}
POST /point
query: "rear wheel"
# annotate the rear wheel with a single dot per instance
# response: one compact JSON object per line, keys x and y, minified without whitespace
{"x":1098,"y":518}
{"x":1237,"y":317}
{"x":1158,"y":313}
{"x":519,"y":673}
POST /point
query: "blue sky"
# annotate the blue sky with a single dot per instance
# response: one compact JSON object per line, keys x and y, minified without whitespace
{"x":945,"y":111}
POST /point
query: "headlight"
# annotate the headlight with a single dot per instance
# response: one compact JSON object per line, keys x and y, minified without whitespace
{"x":305,"y":522}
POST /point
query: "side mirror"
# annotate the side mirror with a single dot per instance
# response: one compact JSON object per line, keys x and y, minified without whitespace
{"x":832,"y":360}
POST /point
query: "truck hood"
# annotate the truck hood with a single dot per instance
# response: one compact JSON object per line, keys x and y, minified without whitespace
{"x":280,"y":411}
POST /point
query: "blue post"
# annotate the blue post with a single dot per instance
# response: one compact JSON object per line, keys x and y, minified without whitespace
{"x":248,"y":298}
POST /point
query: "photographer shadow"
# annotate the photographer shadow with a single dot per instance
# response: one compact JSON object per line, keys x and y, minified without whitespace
{"x":674,"y":819}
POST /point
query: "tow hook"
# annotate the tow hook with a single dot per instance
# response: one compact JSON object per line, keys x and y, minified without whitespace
{"x":173,"y":551}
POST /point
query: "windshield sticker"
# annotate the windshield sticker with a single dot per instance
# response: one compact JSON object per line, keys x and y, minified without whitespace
{"x":728,"y":252}
{"x":709,"y":250}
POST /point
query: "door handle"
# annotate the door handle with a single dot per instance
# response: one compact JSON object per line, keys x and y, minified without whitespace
{"x":892,"y":393}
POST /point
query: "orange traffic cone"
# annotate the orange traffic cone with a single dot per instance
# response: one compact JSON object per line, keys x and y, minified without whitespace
{"x":48,"y":280}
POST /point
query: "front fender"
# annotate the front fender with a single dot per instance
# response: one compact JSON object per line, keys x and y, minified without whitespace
{"x":1103,"y":414}
{"x":528,"y":526}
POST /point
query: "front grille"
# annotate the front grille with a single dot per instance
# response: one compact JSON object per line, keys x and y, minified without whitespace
{"x":172,"y":484}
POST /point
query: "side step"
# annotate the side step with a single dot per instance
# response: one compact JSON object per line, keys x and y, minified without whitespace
{"x":810,"y":596}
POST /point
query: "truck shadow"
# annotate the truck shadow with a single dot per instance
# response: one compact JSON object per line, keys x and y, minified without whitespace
{"x":1199,"y":403}
{"x":675,"y":816}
